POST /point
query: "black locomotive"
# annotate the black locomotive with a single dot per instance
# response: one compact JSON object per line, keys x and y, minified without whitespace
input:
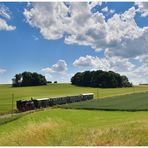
{"x":25,"y":105}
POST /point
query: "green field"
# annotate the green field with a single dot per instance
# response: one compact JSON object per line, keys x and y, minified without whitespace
{"x":70,"y":127}
{"x":76,"y":127}
{"x":50,"y":90}
{"x":131,"y":102}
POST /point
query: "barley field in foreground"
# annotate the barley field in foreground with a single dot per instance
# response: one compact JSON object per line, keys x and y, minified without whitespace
{"x":51,"y":90}
{"x":64,"y":127}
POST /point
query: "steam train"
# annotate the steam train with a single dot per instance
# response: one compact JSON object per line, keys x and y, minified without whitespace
{"x":25,"y":105}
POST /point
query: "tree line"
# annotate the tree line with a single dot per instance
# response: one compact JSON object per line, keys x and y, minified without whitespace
{"x":99,"y":78}
{"x":28,"y":79}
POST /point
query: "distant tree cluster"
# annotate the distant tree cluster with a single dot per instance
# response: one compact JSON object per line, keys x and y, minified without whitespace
{"x":28,"y":79}
{"x":100,"y":79}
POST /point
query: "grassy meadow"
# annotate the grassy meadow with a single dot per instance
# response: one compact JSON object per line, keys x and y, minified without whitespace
{"x":67,"y":127}
{"x":130,"y":102}
{"x":51,"y":90}
{"x":70,"y":127}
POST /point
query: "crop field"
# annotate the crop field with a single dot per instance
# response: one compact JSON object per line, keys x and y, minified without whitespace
{"x":131,"y":102}
{"x":66,"y":127}
{"x":51,"y":90}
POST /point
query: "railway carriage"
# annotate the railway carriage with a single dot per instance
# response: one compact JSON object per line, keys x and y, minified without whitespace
{"x":61,"y":100}
{"x":24,"y":105}
{"x":88,"y":96}
{"x":44,"y":102}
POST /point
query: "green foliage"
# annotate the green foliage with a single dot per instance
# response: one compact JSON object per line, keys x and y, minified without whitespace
{"x":130,"y":102}
{"x":100,"y":79}
{"x":28,"y":79}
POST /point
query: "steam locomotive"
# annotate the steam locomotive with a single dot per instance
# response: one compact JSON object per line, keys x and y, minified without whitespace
{"x":25,"y":105}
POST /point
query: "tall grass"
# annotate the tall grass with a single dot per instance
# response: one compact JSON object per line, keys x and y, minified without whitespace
{"x":76,"y":127}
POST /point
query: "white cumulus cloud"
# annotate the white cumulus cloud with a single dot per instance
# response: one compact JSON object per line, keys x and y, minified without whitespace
{"x":92,"y":62}
{"x":59,"y":67}
{"x":49,"y":18}
{"x":95,"y":63}
{"x":125,"y":37}
{"x":5,"y":26}
{"x":143,"y":8}
{"x":5,"y":12}
{"x":4,"y":16}
{"x":118,"y":36}
{"x":105,"y":9}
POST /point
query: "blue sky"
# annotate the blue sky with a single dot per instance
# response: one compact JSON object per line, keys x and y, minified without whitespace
{"x":41,"y":37}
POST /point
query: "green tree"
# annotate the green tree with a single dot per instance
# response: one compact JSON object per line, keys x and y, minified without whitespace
{"x":29,"y":79}
{"x":100,"y":78}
